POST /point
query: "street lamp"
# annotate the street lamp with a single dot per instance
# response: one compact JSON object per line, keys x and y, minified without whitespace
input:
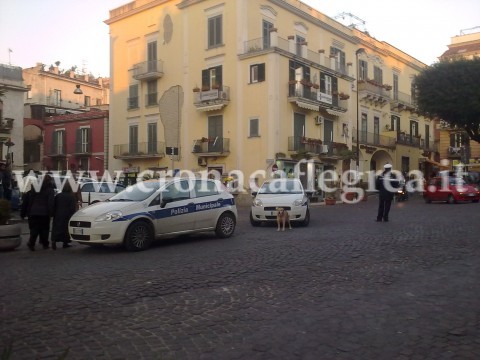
{"x":358,"y":52}
{"x":77,"y":90}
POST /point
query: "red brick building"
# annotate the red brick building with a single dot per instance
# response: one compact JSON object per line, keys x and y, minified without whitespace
{"x":76,"y":142}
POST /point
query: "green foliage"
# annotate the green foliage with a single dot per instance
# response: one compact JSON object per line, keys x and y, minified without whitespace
{"x":451,"y":91}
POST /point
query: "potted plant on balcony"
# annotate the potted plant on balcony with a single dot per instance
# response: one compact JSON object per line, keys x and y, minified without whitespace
{"x":343,"y":96}
{"x":196,"y":89}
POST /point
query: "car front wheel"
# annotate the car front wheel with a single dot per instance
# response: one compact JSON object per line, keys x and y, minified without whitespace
{"x":306,"y":221}
{"x":451,"y":199}
{"x":139,"y":236}
{"x":225,"y":225}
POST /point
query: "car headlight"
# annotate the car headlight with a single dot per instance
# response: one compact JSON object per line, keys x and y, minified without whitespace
{"x":111,"y":215}
{"x":298,"y":202}
{"x":257,"y":202}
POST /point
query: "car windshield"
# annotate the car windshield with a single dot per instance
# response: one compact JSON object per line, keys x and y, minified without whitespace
{"x":457,"y":181}
{"x":138,"y":192}
{"x":281,"y":187}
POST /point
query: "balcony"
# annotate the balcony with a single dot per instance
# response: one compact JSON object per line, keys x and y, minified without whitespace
{"x":148,"y":70}
{"x":83,"y":149}
{"x":302,"y":144}
{"x":307,"y":97}
{"x":373,"y":93}
{"x":401,"y":102}
{"x":375,"y":139}
{"x":409,"y":140}
{"x":289,"y":48}
{"x":6,"y":125}
{"x":336,"y":151}
{"x":56,"y":151}
{"x":211,"y":147}
{"x":458,"y":152}
{"x":211,"y":99}
{"x":142,"y":150}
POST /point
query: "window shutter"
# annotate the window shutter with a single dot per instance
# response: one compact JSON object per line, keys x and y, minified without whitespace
{"x":218,"y":75}
{"x":261,"y":72}
{"x":334,"y":84}
{"x":205,"y":78}
{"x":322,"y":83}
{"x":452,"y":140}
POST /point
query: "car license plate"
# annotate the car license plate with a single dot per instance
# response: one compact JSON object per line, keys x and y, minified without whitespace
{"x":78,"y":231}
{"x":471,"y":194}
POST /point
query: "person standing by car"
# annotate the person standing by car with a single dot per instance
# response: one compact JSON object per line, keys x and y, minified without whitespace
{"x":38,"y":207}
{"x":386,"y":185}
{"x":65,"y":205}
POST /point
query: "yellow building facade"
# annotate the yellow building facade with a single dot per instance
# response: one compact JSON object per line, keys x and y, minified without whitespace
{"x":254,"y":86}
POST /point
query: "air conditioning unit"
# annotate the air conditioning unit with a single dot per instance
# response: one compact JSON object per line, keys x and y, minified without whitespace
{"x":323,"y":149}
{"x":318,"y":120}
{"x":202,"y":161}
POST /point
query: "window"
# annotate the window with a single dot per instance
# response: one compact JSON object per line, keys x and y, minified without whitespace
{"x":395,"y":87}
{"x":376,"y":130}
{"x":98,"y":101}
{"x":254,"y":128}
{"x":133,"y":139}
{"x":205,"y":188}
{"x":257,"y":73}
{"x":152,"y":93}
{"x":299,"y":40}
{"x":152,"y":56}
{"x":395,"y":123}
{"x":427,"y":136}
{"x":82,"y":144}
{"x":326,"y":84}
{"x":177,"y":191}
{"x":29,"y":92}
{"x":152,"y":138}
{"x":133,"y":97}
{"x":86,"y":101}
{"x":212,"y":78}
{"x":339,"y":56}
{"x":266,"y":27}
{"x":362,"y":70}
{"x":57,"y":97}
{"x":413,"y":128}
{"x":363,"y":128}
{"x":215,"y":31}
{"x":378,"y":74}
{"x":58,"y":144}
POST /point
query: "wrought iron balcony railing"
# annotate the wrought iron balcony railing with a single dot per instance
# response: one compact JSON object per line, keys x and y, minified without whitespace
{"x":139,"y":150}
{"x":148,"y":70}
{"x":213,"y":146}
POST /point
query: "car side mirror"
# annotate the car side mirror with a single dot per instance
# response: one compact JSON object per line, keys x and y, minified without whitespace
{"x":254,"y":193}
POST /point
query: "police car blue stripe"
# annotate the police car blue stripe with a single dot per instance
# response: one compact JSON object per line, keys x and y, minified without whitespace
{"x":179,"y":210}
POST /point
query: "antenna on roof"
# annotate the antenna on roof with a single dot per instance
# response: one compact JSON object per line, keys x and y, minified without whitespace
{"x":355,"y":22}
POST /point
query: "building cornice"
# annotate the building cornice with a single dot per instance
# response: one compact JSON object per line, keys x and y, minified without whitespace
{"x":131,"y":9}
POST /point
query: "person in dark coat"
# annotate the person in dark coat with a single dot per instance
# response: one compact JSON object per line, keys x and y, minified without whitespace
{"x":65,"y":205}
{"x":386,"y":184}
{"x":38,"y":207}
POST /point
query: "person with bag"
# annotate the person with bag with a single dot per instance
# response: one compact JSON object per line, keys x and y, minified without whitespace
{"x":65,"y":205}
{"x":38,"y":207}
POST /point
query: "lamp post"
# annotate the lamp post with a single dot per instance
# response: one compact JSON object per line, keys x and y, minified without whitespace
{"x":358,"y":52}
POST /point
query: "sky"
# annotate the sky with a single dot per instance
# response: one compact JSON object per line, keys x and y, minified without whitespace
{"x":74,"y":33}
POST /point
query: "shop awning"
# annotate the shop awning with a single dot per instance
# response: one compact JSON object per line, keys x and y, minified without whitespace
{"x":210,"y":107}
{"x":335,"y":112}
{"x":307,"y":105}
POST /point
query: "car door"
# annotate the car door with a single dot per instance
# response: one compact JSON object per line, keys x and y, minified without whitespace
{"x":176,"y":210}
{"x":208,"y":203}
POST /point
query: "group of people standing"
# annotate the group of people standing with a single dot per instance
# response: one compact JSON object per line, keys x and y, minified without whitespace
{"x":43,"y":205}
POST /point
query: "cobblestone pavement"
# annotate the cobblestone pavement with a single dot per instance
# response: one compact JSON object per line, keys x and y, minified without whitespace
{"x":345,"y":287}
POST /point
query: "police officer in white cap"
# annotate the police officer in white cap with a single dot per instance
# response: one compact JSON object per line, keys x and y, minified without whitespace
{"x":386,"y":184}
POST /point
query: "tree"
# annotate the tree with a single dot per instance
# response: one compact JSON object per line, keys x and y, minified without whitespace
{"x":451,"y":90}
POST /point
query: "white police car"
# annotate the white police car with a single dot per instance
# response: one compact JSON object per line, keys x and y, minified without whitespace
{"x":288,"y":194}
{"x":155,"y":208}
